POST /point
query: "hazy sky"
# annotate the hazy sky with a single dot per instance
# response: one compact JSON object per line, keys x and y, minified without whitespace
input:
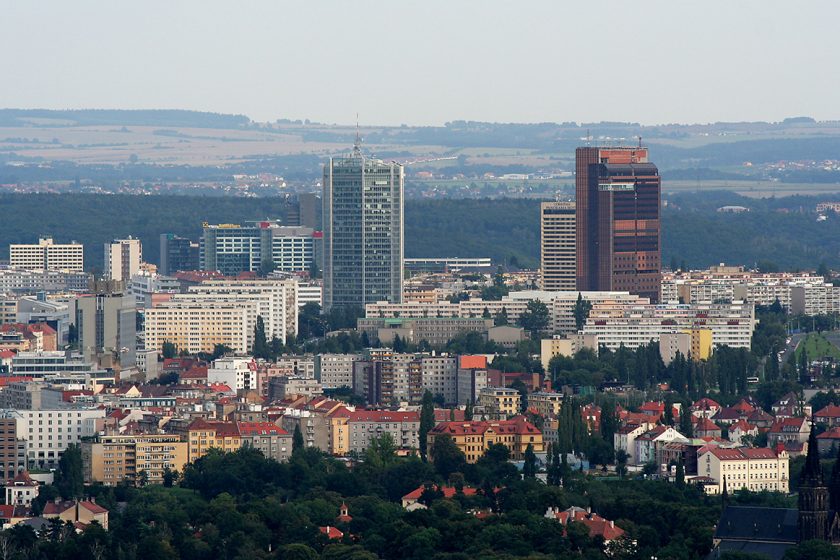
{"x":428,"y":62}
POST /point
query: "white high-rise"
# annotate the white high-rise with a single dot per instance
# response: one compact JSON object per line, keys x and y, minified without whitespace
{"x":47,"y":255}
{"x":123,"y":258}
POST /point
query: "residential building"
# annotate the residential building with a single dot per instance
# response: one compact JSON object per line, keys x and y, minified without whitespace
{"x":545,"y":404}
{"x":796,"y":430}
{"x":648,"y":442}
{"x":47,"y":255}
{"x":48,"y":433}
{"x":199,"y":325}
{"x":448,"y":264}
{"x":294,"y":366}
{"x":624,"y":439}
{"x":21,"y":490}
{"x":15,"y":280}
{"x":363,"y":231}
{"x":282,"y":387}
{"x":596,"y":525}
{"x":744,"y":468}
{"x":436,"y":331}
{"x":122,"y":259}
{"x":177,"y":254}
{"x":388,"y":378}
{"x":238,"y":373}
{"x":732,"y":324}
{"x":474,"y":437}
{"x":557,"y":246}
{"x":335,"y":370}
{"x":149,"y":288}
{"x":274,"y":442}
{"x":112,"y":459}
{"x":439,"y":376}
{"x":79,"y":513}
{"x":203,"y":436}
{"x":499,"y":403}
{"x":472,"y":379}
{"x":12,"y":448}
{"x":617,"y":221}
{"x":365,"y":425}
{"x":310,"y":292}
{"x":106,"y":323}
{"x":695,"y":344}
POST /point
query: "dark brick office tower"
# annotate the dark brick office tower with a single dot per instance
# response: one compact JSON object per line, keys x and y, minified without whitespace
{"x":618,"y":224}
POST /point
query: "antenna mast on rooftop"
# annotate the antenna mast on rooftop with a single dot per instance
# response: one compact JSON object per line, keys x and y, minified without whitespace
{"x":357,"y":145}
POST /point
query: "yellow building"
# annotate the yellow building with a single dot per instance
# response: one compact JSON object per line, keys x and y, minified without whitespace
{"x":753,"y":469}
{"x":701,"y":343}
{"x":499,"y":402}
{"x":203,"y":436}
{"x":113,"y":459}
{"x":546,"y":404}
{"x":473,"y":438}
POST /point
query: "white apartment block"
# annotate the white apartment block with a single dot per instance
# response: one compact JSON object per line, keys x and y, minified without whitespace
{"x":335,"y":370}
{"x":753,"y":469}
{"x":470,"y":384}
{"x":23,"y":281}
{"x":238,"y":373}
{"x":198,"y":325}
{"x":47,"y":255}
{"x":48,"y":433}
{"x":294,"y":366}
{"x":310,"y":292}
{"x":635,"y":325}
{"x":365,"y":425}
{"x":276,"y":301}
{"x":122,"y":259}
{"x":144,"y":285}
{"x":727,"y":283}
{"x":440,"y":376}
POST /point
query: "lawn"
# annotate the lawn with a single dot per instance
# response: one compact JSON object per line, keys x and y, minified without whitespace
{"x":817,"y":346}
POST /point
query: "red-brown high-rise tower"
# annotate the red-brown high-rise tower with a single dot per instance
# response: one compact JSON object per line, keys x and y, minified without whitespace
{"x":618,"y":225}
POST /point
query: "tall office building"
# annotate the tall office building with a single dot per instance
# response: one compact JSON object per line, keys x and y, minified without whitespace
{"x":122,"y":259}
{"x":234,"y":248}
{"x":557,"y":245}
{"x":618,"y":224}
{"x":47,"y":255}
{"x":177,"y":253}
{"x":363,"y":231}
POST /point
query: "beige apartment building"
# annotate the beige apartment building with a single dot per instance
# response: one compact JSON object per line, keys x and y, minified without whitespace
{"x":112,"y":459}
{"x":197,"y":326}
{"x":499,"y":402}
{"x":557,"y":246}
{"x":753,"y":469}
{"x":546,"y":404}
{"x":47,"y":255}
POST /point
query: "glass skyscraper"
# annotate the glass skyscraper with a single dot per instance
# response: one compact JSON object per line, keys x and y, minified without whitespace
{"x":363,"y":231}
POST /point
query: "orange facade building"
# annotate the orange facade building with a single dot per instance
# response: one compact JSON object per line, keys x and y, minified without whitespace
{"x":618,"y":227}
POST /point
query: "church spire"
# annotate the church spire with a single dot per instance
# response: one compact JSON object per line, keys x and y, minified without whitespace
{"x":812,"y":473}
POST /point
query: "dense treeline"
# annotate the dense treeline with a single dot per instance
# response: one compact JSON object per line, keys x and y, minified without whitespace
{"x":241,"y":505}
{"x":506,"y":230}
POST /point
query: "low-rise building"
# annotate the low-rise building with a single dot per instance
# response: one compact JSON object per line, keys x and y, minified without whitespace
{"x":274,"y":442}
{"x":499,"y":402}
{"x":365,"y":425}
{"x":753,"y":469}
{"x":474,"y":437}
{"x":116,"y":458}
{"x":545,"y":404}
{"x":283,"y":387}
{"x":203,"y":436}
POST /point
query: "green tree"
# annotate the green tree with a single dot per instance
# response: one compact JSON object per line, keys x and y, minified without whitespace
{"x":169,"y":477}
{"x":70,"y":479}
{"x":679,"y":479}
{"x":581,"y":311}
{"x":808,"y":550}
{"x":427,"y":421}
{"x":169,"y":350}
{"x":381,"y":451}
{"x":446,"y":456}
{"x":260,"y":348}
{"x":529,"y":468}
{"x":501,"y":318}
{"x":266,"y":267}
{"x":297,"y":440}
{"x":399,"y":344}
{"x":298,"y":551}
{"x":536,"y":318}
{"x":486,"y":314}
{"x":220,"y":350}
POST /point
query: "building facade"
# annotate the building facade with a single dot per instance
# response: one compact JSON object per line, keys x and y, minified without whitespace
{"x":113,"y":459}
{"x":177,"y":254}
{"x":47,"y":255}
{"x":557,"y":246}
{"x":122,"y":259}
{"x":363,"y":231}
{"x":475,"y":437}
{"x":618,"y":221}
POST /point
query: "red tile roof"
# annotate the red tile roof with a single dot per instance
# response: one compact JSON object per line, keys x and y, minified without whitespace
{"x":597,"y":525}
{"x":261,"y":429}
{"x":383,"y":416}
{"x":830,"y":411}
{"x":448,"y":492}
{"x":739,"y":453}
{"x":331,"y":532}
{"x":703,"y":424}
{"x":516,"y":425}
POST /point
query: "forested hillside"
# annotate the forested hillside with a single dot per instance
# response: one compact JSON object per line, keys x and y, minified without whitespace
{"x":784,"y":232}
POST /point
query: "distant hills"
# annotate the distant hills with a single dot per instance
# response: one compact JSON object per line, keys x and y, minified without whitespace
{"x":120,"y":117}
